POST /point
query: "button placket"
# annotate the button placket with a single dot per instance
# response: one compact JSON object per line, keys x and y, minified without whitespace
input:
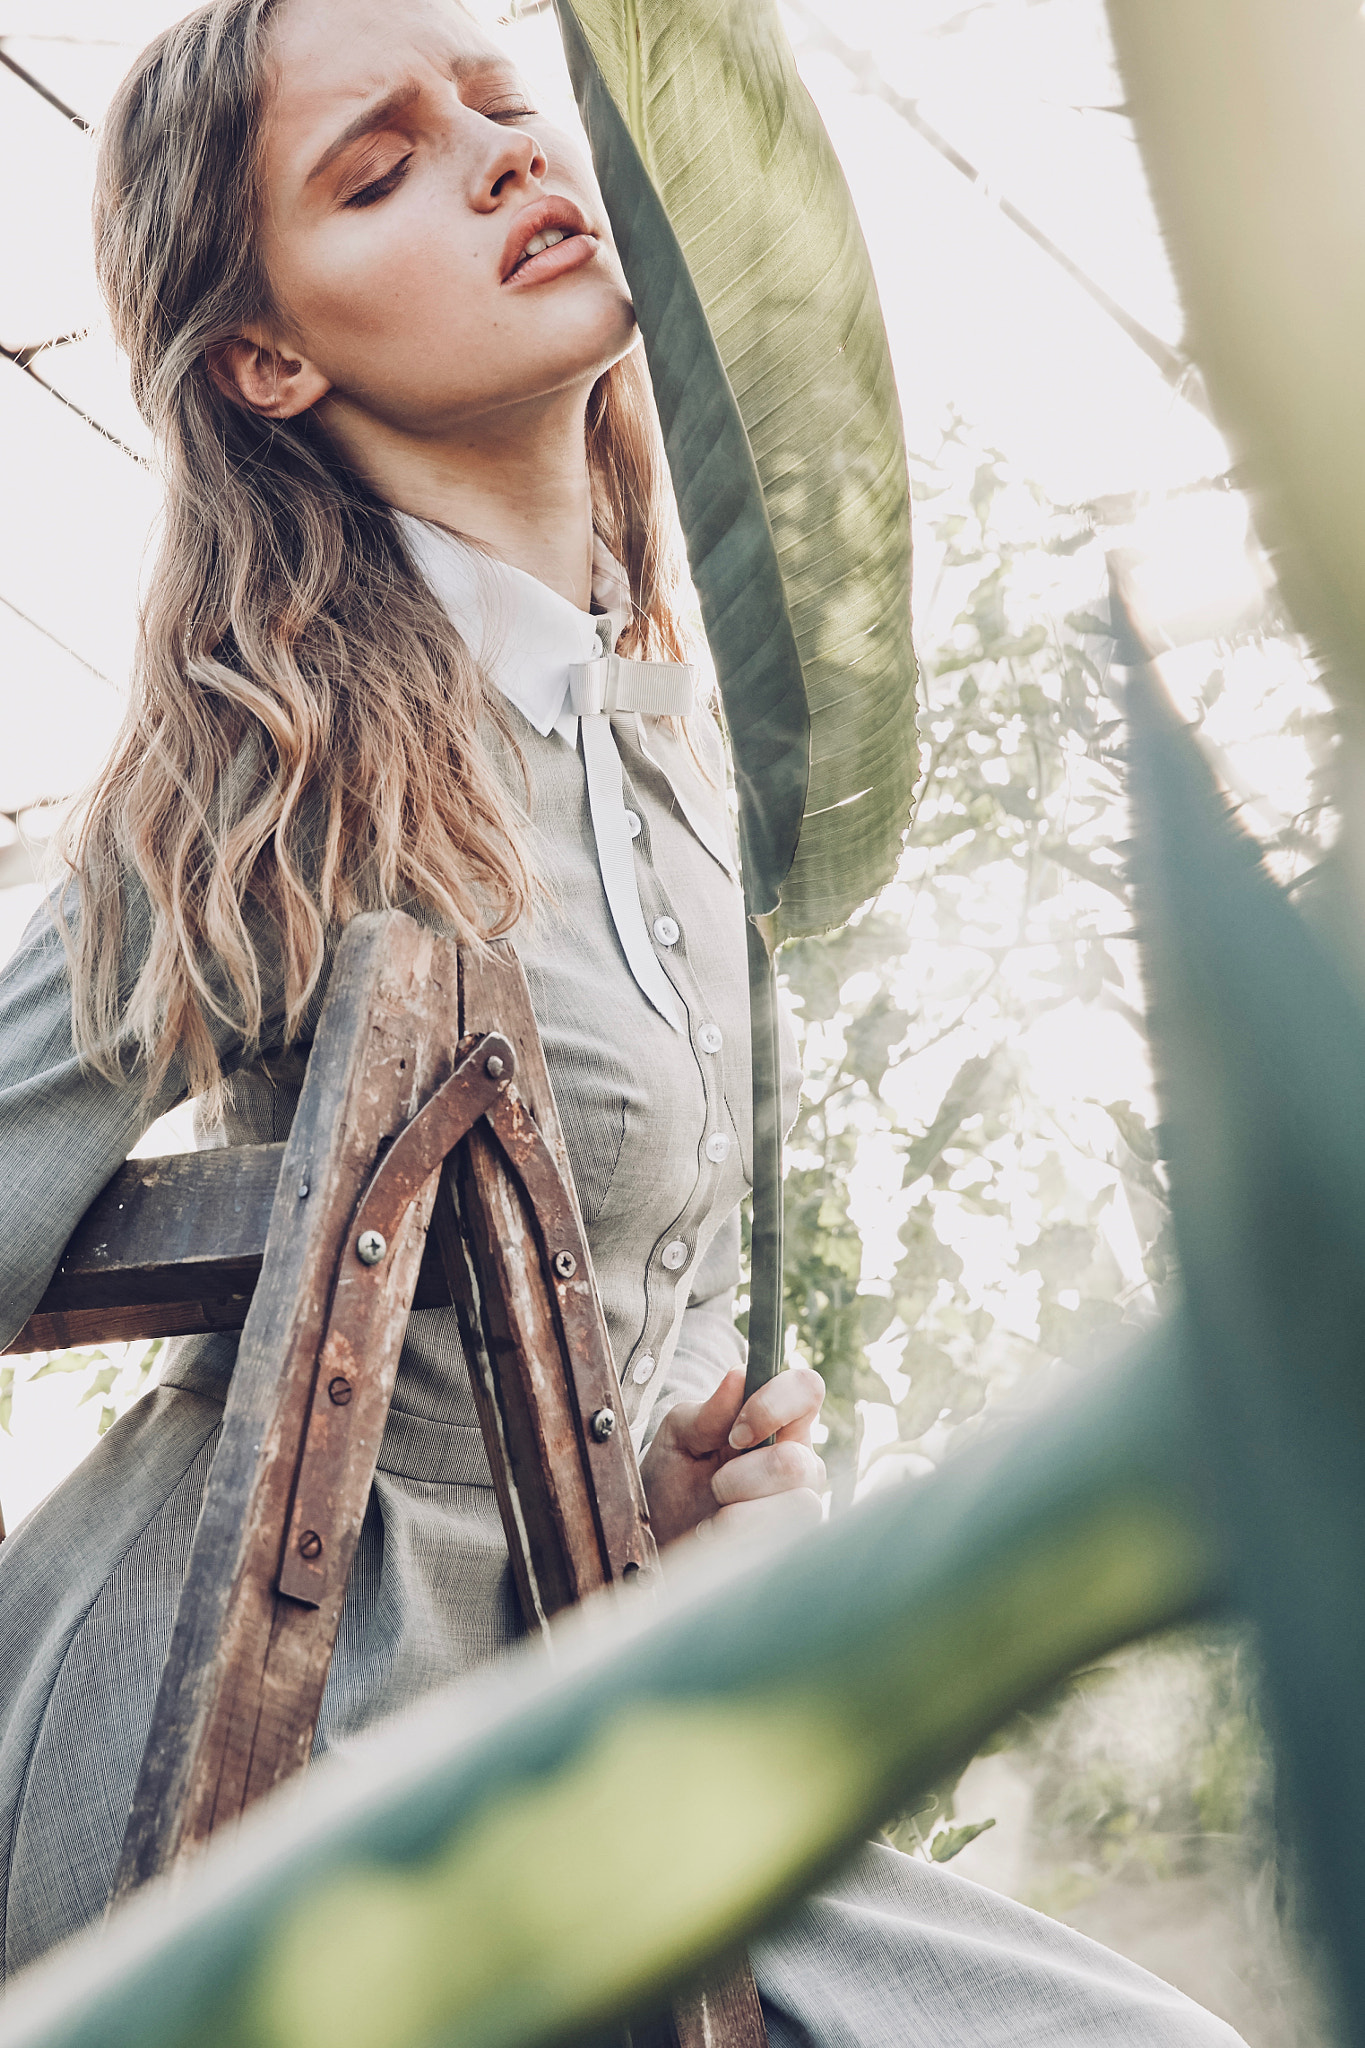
{"x":662,"y":1276}
{"x":665,"y":1271}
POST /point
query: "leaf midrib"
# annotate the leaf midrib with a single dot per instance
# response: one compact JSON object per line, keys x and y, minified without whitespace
{"x":635,"y":84}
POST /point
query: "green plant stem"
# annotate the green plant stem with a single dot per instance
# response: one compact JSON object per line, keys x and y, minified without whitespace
{"x":766,"y":1319}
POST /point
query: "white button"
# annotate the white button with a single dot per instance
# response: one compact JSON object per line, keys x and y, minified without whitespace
{"x":717,"y":1147}
{"x":642,"y":1370}
{"x":666,"y":931}
{"x":674,"y":1255}
{"x":634,"y":823}
{"x":709,"y":1038}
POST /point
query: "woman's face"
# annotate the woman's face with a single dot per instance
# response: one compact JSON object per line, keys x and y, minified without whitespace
{"x":408,"y":184}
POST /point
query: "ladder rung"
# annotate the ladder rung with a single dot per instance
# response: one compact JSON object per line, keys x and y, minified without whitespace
{"x":172,"y":1247}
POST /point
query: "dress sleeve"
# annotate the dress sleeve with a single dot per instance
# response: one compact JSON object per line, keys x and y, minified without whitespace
{"x":64,"y":1129}
{"x":708,"y":1344}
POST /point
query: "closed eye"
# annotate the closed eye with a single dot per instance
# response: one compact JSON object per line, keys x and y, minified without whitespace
{"x":380,"y":188}
{"x":496,"y":112}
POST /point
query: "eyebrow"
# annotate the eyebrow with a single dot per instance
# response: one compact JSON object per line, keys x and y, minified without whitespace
{"x":383,"y":111}
{"x":366,"y":123}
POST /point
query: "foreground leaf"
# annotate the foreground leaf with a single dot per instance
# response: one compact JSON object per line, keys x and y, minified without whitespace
{"x":544,"y":1854}
{"x":1249,"y":117}
{"x":1259,"y":1041}
{"x":764,"y":220}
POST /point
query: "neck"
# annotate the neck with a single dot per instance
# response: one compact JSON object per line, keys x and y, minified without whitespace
{"x":516,"y":482}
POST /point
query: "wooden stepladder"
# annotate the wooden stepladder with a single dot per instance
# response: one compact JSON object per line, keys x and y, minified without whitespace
{"x":425,"y":1165}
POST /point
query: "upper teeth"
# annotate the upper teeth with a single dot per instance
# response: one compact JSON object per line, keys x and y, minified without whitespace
{"x":546,"y":239}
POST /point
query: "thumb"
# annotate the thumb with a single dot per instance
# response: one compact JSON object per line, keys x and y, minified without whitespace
{"x":702,"y":1428}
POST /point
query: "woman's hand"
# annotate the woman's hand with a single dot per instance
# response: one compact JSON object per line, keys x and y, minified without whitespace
{"x":699,"y":1472}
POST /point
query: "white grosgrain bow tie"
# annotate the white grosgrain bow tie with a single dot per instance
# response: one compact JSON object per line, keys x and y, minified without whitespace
{"x":525,"y":636}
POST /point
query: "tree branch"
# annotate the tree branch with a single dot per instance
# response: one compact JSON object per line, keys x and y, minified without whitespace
{"x":44,"y":92}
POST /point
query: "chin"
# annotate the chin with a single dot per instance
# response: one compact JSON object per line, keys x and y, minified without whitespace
{"x":577,"y":352}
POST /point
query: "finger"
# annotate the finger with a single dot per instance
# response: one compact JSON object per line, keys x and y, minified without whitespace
{"x":700,"y":1428}
{"x":790,"y":1401}
{"x":777,"y":1468}
{"x":780,"y":1514}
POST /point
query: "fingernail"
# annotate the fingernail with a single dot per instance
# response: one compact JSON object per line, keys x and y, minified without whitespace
{"x":741,"y":1436}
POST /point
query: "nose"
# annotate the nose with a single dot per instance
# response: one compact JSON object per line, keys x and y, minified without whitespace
{"x":505,"y":159}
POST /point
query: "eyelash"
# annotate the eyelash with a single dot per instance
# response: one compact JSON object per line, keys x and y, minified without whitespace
{"x":380,"y":188}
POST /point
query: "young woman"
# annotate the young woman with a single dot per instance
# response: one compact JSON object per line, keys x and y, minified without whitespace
{"x":377,"y":326}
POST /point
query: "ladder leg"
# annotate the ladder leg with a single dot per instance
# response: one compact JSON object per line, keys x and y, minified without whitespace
{"x":243,"y":1679}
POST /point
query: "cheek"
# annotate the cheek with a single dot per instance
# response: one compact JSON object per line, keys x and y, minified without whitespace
{"x":405,"y":317}
{"x":392,"y":292}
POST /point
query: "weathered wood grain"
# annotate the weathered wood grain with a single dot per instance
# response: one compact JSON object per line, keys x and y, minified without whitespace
{"x":359,"y":1358}
{"x":723,"y":2014}
{"x":545,"y":1463}
{"x":173,"y":1246}
{"x":244,"y":1674}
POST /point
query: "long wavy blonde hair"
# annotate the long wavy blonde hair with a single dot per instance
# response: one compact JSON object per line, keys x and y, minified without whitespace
{"x":303,"y":737}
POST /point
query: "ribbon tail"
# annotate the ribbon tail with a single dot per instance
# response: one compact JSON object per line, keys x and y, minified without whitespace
{"x":616,"y":859}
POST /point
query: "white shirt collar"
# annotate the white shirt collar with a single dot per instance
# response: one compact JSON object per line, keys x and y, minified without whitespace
{"x":524,"y":635}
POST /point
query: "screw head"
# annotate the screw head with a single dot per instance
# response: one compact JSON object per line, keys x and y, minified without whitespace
{"x":565,"y":1264}
{"x":495,"y":1066}
{"x":603,"y":1423}
{"x":370,"y":1247}
{"x":310,"y":1544}
{"x":340,"y":1390}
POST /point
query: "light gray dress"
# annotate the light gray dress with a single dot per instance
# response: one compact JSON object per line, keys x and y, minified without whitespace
{"x":88,"y":1583}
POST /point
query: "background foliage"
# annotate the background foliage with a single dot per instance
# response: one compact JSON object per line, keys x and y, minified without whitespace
{"x":960,"y":1220}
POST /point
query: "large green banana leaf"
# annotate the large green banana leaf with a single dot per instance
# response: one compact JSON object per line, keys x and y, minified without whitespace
{"x":552,"y":1850}
{"x":1259,"y":1039}
{"x":1249,"y":115}
{"x":766,"y":232}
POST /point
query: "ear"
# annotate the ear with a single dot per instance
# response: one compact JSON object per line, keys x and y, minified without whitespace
{"x":269,"y":381}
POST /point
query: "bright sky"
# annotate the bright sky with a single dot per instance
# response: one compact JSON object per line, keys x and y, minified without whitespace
{"x":980,"y":321}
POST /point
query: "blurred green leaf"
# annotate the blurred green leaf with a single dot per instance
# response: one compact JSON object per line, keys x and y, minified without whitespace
{"x":67,"y":1361}
{"x":950,"y":1842}
{"x":512,"y":1868}
{"x":1248,"y":113}
{"x":1136,"y":1134}
{"x":1061,"y":1253}
{"x":1259,"y":1044}
{"x":100,"y":1383}
{"x":868,"y":1039}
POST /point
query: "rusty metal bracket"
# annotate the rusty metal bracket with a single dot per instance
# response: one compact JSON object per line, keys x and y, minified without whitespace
{"x":349,"y":1405}
{"x":622,"y":1516}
